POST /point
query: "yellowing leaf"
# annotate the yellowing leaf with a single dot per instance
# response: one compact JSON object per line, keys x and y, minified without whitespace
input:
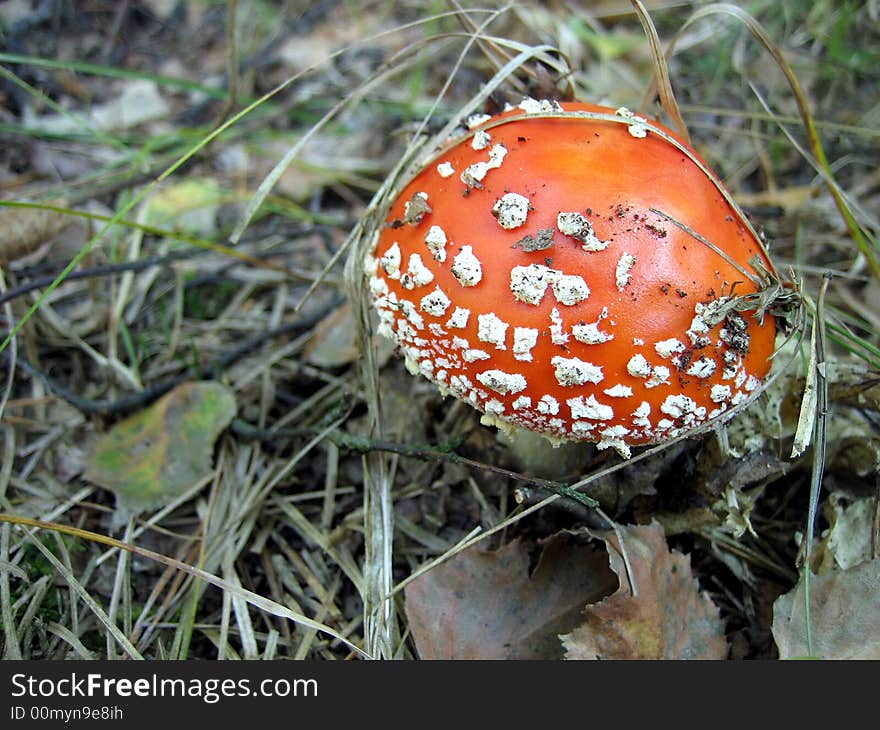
{"x":668,"y":618}
{"x":157,"y":454}
{"x":486,"y":605}
{"x":190,"y":206}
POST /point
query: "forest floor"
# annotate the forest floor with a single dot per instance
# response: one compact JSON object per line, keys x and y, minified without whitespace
{"x":191,"y":466}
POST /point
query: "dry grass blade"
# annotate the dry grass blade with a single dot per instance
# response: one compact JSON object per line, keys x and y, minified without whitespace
{"x":662,"y":82}
{"x":311,"y":533}
{"x":817,"y":359}
{"x":242,"y":617}
{"x":11,"y":647}
{"x":66,"y":635}
{"x":9,"y":433}
{"x":809,"y":402}
{"x":706,"y":242}
{"x":378,"y":513}
{"x":121,"y":588}
{"x":250,"y":597}
{"x":77,"y":587}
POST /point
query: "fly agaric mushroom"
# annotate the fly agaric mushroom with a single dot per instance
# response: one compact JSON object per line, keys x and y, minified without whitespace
{"x":575,"y":271}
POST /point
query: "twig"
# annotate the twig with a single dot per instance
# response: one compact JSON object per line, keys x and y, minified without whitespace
{"x":445,"y":452}
{"x":96,"y":271}
{"x":156,"y":390}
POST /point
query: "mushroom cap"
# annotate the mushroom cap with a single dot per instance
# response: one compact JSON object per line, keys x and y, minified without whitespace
{"x":573,"y":276}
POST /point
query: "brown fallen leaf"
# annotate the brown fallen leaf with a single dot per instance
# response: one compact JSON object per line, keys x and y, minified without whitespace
{"x":485,"y":604}
{"x":668,"y":618}
{"x":844,"y":615}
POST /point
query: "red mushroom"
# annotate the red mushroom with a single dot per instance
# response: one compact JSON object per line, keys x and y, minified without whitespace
{"x":577,"y":275}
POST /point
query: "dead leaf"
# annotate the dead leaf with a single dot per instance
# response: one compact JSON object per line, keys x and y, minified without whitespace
{"x":189,"y":205}
{"x":669,"y":618}
{"x":157,"y":454}
{"x":23,"y":230}
{"x":135,"y":102}
{"x":844,"y":615}
{"x":333,"y":342}
{"x":850,"y":538}
{"x":485,"y":605}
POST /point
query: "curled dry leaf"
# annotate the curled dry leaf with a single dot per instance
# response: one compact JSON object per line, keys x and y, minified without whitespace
{"x":667,"y":618}
{"x":844,"y":614}
{"x":487,"y":605}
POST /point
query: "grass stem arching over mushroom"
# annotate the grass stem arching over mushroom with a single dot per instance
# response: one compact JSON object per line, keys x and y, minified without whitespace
{"x":580,"y":272}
